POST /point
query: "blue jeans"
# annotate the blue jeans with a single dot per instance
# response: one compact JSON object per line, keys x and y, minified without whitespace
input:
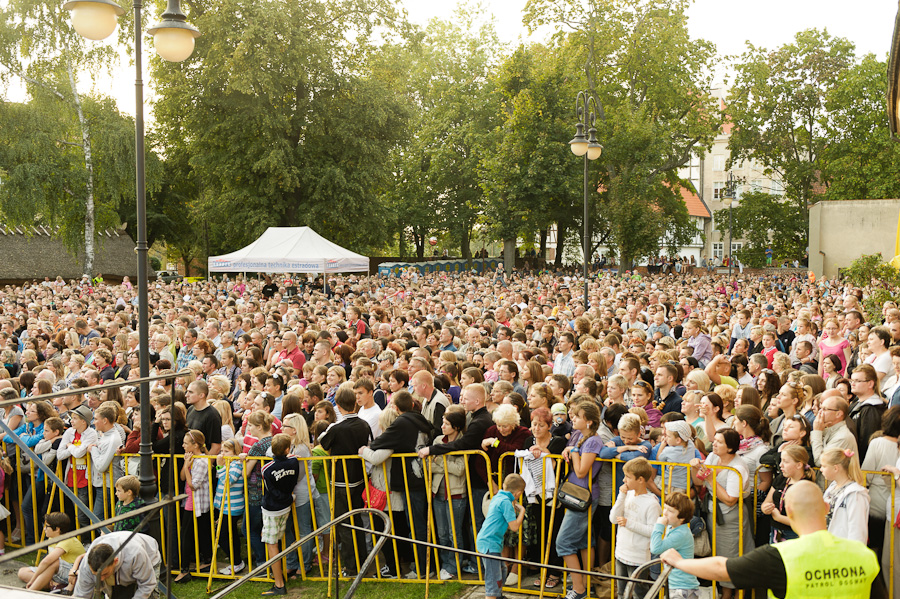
{"x":419,"y":517}
{"x":304,"y":525}
{"x":446,"y":529}
{"x":573,"y":532}
{"x":494,"y":576}
{"x":33,"y":497}
{"x":253,"y":529}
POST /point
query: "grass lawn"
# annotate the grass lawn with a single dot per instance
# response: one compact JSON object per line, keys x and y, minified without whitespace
{"x":316,"y":589}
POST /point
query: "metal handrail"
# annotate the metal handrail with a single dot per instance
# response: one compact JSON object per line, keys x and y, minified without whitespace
{"x":296,"y":544}
{"x":384,"y":535}
{"x":664,"y":574}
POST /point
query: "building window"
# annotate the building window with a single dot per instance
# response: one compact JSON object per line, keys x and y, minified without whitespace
{"x":736,"y":247}
{"x":777,"y":188}
{"x":717,"y":250}
{"x":718,"y":189}
{"x":756,"y":185}
{"x":719,"y":163}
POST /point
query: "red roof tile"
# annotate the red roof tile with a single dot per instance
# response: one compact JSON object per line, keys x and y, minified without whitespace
{"x":695,"y":205}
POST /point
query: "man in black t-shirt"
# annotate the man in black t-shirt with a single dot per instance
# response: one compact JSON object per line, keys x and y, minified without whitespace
{"x":344,"y":438}
{"x":765,"y":568}
{"x":201,"y":417}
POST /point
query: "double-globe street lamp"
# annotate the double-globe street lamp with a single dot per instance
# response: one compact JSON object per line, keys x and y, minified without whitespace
{"x":585,"y":107}
{"x":173,"y":39}
{"x":728,"y":201}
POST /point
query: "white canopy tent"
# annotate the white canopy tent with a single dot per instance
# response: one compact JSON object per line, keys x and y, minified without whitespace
{"x":290,"y":249}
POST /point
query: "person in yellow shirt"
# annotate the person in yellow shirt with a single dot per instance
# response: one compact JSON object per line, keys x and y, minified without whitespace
{"x":815,"y":565}
{"x":55,"y":567}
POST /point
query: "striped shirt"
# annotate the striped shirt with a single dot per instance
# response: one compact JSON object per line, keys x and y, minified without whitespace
{"x":200,"y":483}
{"x":234,"y":503}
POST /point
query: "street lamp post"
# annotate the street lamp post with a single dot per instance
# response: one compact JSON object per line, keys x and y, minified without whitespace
{"x":728,"y":200}
{"x":174,"y":42}
{"x":585,"y":106}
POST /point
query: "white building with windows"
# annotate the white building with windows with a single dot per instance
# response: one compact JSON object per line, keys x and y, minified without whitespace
{"x":713,"y":177}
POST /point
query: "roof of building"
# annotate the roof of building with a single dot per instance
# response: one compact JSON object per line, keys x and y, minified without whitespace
{"x":695,"y":205}
{"x":37,"y":252}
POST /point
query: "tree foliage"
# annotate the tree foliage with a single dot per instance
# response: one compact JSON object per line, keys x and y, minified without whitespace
{"x":453,"y":101}
{"x":651,"y":82}
{"x":861,"y":160}
{"x":531,"y":179}
{"x":764,"y":221}
{"x":779,"y":106}
{"x":282,"y":121}
{"x":39,"y":48}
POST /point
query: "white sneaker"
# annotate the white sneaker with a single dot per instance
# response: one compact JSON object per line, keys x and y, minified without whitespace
{"x":411,"y":575}
{"x":445,"y":575}
{"x":512,"y":580}
{"x":228,"y":571}
{"x":16,"y":536}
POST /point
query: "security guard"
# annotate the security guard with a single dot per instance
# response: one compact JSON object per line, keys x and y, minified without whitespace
{"x":816,"y":565}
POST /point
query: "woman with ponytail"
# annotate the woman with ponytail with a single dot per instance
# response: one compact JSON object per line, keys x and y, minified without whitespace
{"x":849,"y":500}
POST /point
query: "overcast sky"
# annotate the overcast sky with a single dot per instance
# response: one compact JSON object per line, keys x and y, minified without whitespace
{"x":727,"y":23}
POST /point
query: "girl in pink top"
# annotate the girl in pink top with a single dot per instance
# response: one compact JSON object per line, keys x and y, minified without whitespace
{"x":833,"y":343}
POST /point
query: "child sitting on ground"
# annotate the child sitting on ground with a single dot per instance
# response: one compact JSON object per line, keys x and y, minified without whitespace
{"x":634,"y":513}
{"x":55,"y":566}
{"x":128,"y":489}
{"x":676,"y":524}
{"x":504,"y":514}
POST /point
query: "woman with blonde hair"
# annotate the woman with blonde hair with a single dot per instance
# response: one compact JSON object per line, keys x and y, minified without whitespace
{"x":616,"y":388}
{"x":846,"y":495}
{"x":697,"y":380}
{"x":294,"y":426}
{"x":336,"y":377}
{"x":223,"y":408}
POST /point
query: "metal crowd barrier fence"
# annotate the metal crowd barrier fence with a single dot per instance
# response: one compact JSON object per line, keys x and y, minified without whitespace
{"x":416,"y":511}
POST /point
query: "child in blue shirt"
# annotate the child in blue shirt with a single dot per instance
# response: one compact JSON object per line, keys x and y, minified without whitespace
{"x":675,"y":523}
{"x":505,"y":513}
{"x":627,"y":446}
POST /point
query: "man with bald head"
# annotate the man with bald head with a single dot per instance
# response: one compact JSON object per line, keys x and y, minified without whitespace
{"x":434,"y":403}
{"x":291,"y":351}
{"x":830,"y":428}
{"x":472,"y":398}
{"x":818,"y":564}
{"x":505,"y":349}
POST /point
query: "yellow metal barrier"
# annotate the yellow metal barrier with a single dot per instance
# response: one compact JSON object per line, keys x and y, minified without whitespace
{"x":323,"y":469}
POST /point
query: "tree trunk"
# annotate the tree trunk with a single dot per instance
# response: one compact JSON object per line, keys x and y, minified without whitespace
{"x":187,"y":265}
{"x":560,"y":244}
{"x":542,"y":254}
{"x":465,"y":250}
{"x":419,"y":240}
{"x":89,"y":184}
{"x":401,"y":245}
{"x":509,"y":255}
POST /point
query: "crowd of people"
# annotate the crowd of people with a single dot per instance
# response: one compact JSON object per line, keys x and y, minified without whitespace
{"x":743,"y":385}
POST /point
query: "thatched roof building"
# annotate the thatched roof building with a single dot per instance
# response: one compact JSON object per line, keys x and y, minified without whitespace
{"x":28,"y":253}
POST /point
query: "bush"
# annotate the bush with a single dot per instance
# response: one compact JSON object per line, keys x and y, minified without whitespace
{"x":155,"y":264}
{"x":881,"y":279}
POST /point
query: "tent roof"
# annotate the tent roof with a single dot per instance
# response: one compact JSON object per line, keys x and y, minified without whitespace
{"x":290,"y":249}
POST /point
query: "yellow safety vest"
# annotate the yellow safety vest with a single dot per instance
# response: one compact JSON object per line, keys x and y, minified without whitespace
{"x":823,"y":565}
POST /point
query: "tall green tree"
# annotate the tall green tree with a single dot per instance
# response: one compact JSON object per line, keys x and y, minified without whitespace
{"x":283,"y":120}
{"x":451,"y":67}
{"x":651,"y":82}
{"x":779,"y":106}
{"x":39,"y":48}
{"x":861,"y":161}
{"x":532,"y":180}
